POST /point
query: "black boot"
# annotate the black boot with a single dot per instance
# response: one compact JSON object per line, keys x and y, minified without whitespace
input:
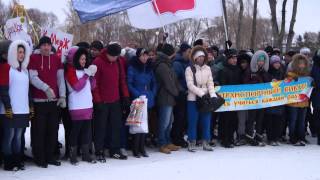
{"x":19,"y":162}
{"x":100,"y":157}
{"x":86,"y":154}
{"x":73,"y":155}
{"x":142,"y":146}
{"x":9,"y":163}
{"x":136,"y":145}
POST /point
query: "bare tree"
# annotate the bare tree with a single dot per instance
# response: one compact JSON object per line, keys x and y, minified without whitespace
{"x":278,"y":34}
{"x":254,"y":25}
{"x":292,"y":22}
{"x":238,"y":35}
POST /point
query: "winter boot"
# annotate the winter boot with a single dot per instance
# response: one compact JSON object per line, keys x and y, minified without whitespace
{"x":19,"y":162}
{"x":100,"y":157}
{"x":86,"y":154}
{"x":136,"y":144}
{"x":9,"y":163}
{"x":241,"y":141}
{"x":206,"y":146}
{"x":73,"y":155}
{"x":192,"y":146}
{"x":142,"y":149}
{"x":165,"y":150}
{"x":251,"y":140}
{"x":173,"y":147}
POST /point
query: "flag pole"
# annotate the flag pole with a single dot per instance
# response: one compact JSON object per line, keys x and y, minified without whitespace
{"x":160,"y":19}
{"x":225,"y":24}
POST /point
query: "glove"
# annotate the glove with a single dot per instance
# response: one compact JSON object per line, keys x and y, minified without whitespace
{"x":8,"y":113}
{"x":91,"y":70}
{"x":62,"y":102}
{"x":228,"y":44}
{"x":50,"y":94}
{"x":31,"y":114}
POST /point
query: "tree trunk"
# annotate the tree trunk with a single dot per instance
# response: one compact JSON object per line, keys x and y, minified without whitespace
{"x":283,"y":25}
{"x":254,"y":25}
{"x":274,"y":23}
{"x":238,"y":35}
{"x":292,"y":22}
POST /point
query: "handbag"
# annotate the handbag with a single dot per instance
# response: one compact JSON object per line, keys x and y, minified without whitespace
{"x":207,"y":103}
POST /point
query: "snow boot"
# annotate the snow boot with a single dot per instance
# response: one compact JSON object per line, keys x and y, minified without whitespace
{"x":192,"y":146}
{"x":9,"y":163}
{"x":86,"y":156}
{"x":73,"y":155}
{"x":206,"y":146}
{"x":100,"y":157}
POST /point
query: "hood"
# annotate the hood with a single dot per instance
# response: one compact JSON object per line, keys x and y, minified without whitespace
{"x":13,"y":54}
{"x":162,"y":58}
{"x":254,"y":61}
{"x":295,"y":62}
{"x":136,"y":63}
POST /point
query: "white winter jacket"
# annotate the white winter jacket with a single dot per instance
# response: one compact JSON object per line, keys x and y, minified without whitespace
{"x":204,"y":82}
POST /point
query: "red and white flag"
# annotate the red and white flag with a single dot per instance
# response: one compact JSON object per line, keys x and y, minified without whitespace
{"x":157,"y":13}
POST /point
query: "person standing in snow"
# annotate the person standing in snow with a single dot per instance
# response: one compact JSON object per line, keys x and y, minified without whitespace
{"x":49,"y":94}
{"x":141,"y":82}
{"x":14,"y":92}
{"x":80,"y":81}
{"x":204,"y":86}
{"x":297,"y":111}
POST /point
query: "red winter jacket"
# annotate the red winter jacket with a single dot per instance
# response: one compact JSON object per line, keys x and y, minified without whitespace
{"x":110,"y":82}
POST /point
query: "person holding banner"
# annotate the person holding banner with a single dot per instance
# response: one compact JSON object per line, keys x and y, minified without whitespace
{"x":229,"y":75}
{"x":49,"y":94}
{"x":141,"y":82}
{"x":4,"y":47}
{"x":300,"y":67}
{"x":14,"y":92}
{"x":200,"y":83}
{"x":80,"y":81}
{"x":258,"y":73}
{"x":273,"y":115}
{"x":315,"y":74}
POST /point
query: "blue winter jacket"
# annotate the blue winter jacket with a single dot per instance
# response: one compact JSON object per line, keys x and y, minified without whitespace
{"x":141,"y":80}
{"x":180,"y":65}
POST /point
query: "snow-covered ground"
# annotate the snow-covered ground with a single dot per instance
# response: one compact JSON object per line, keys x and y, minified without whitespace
{"x":250,"y":163}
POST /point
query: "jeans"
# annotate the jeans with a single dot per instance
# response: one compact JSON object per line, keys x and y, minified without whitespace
{"x":11,"y":143}
{"x":194,"y":116}
{"x":297,"y":123}
{"x":165,"y":125}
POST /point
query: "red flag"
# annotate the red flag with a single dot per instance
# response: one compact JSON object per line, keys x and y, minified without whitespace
{"x":173,"y":6}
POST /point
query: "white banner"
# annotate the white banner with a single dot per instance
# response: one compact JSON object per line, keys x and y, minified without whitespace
{"x":158,"y":13}
{"x":17,"y":29}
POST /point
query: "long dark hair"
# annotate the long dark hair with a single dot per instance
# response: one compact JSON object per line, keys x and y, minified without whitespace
{"x":76,"y":58}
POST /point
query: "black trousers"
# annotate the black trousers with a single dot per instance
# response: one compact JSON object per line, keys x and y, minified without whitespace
{"x":45,"y":131}
{"x":80,"y":133}
{"x":107,"y":121}
{"x":316,"y":116}
{"x":255,"y":122}
{"x":139,"y":143}
{"x":228,"y":124}
{"x":274,"y":126}
{"x":179,"y":124}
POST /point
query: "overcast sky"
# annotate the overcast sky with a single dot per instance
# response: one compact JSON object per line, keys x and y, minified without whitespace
{"x":306,"y":17}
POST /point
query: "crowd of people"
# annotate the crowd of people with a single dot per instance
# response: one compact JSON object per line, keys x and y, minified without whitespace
{"x":90,"y":92}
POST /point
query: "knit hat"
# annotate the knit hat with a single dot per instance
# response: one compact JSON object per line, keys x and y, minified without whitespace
{"x":114,"y":49}
{"x":269,"y":49}
{"x":184,"y":47}
{"x":141,"y":51}
{"x":44,"y":40}
{"x":275,"y":59}
{"x":97,"y":45}
{"x":167,"y":49}
{"x":231,"y":53}
{"x":261,"y":57}
{"x":198,"y":54}
{"x":244,"y":57}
